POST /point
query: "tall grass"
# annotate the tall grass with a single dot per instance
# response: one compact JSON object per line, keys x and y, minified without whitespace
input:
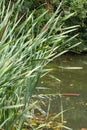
{"x":23,"y":57}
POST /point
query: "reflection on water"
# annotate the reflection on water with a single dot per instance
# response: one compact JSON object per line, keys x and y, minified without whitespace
{"x":72,"y":81}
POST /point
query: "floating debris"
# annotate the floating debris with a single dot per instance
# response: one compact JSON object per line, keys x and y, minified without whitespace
{"x":73,"y":68}
{"x":70,"y":94}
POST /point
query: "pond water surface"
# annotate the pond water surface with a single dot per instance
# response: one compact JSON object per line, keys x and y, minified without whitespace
{"x":73,"y":80}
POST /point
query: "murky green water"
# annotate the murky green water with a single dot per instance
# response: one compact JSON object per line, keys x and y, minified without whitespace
{"x":72,"y":81}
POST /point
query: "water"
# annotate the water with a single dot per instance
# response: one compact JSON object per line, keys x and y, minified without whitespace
{"x":73,"y":80}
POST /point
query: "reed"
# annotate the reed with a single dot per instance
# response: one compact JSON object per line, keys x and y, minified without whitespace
{"x":23,"y":57}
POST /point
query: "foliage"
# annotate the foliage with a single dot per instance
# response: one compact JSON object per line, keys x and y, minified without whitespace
{"x":68,"y":6}
{"x":80,"y":18}
{"x":23,"y":57}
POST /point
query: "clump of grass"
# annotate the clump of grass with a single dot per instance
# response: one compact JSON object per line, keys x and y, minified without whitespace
{"x":23,"y":57}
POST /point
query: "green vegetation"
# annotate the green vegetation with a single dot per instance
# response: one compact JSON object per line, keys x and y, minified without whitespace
{"x":68,"y":6}
{"x":80,"y":18}
{"x":24,"y":53}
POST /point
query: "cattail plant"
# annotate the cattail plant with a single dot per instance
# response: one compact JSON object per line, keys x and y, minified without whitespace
{"x":23,"y":57}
